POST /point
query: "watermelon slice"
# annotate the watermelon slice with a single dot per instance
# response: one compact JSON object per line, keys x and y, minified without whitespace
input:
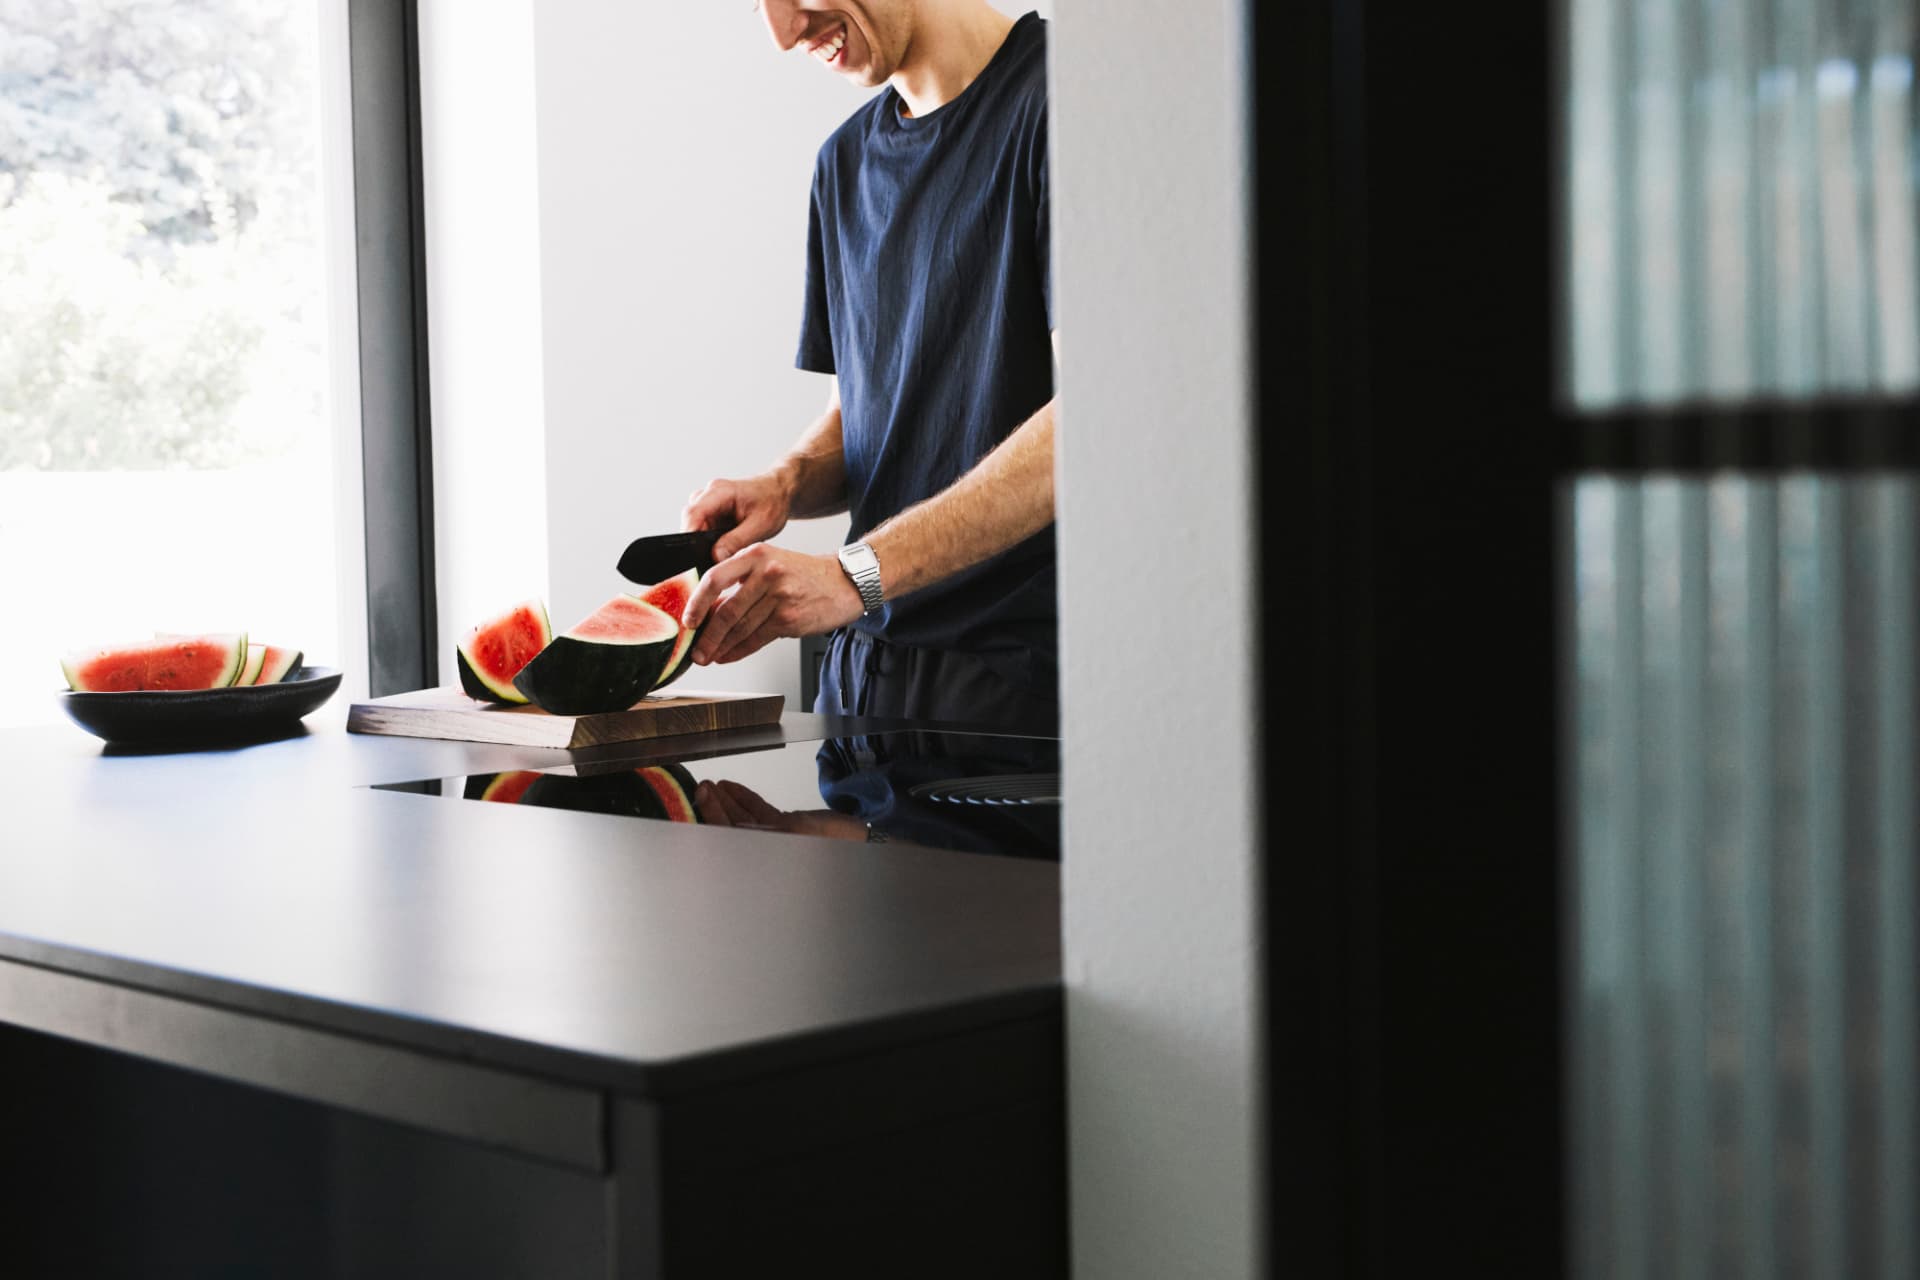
{"x":494,"y":652}
{"x":672,"y":596}
{"x":250,"y":670}
{"x":276,"y":664}
{"x":115,"y":669}
{"x":607,"y":662}
{"x":211,"y":661}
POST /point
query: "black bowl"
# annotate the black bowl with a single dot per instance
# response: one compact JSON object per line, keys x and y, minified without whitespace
{"x":245,"y":713}
{"x":653,"y":560}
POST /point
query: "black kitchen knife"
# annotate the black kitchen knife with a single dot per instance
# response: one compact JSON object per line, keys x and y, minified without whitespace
{"x":651,"y":560}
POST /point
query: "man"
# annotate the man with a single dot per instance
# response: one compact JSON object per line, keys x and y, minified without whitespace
{"x":929,"y":302}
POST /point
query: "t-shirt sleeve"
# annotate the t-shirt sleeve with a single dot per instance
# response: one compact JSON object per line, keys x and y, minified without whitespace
{"x":1043,"y":221}
{"x":816,"y":323}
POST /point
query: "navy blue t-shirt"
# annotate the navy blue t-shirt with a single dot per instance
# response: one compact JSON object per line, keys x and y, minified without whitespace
{"x":929,"y":297}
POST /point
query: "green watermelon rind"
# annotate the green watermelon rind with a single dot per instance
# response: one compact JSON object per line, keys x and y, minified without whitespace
{"x":249,"y":672}
{"x":287,"y":673}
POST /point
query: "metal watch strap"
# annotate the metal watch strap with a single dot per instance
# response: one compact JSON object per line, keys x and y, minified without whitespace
{"x":863,"y":567}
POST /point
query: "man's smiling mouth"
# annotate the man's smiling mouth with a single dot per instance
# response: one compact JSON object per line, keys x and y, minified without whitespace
{"x":830,"y":47}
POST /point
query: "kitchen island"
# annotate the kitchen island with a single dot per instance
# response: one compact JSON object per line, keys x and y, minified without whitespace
{"x":260,"y":1016}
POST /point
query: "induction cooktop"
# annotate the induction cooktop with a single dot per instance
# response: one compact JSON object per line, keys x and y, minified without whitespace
{"x":980,"y":793}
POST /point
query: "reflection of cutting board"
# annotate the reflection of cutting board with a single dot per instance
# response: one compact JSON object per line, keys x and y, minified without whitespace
{"x":449,"y":713}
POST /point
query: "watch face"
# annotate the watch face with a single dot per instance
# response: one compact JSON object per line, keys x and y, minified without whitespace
{"x":864,"y":568}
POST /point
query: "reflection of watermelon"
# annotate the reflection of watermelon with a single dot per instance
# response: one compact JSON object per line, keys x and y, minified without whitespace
{"x":672,"y":596}
{"x":173,"y":663}
{"x":493,"y":653}
{"x":621,"y":794}
{"x":606,"y":663}
{"x":501,"y":788}
{"x":676,"y":797}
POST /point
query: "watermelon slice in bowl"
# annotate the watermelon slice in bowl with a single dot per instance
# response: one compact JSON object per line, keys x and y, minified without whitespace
{"x":201,"y":717}
{"x":189,"y":689}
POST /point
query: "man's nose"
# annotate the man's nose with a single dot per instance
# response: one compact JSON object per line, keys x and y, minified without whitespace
{"x":785,"y":22}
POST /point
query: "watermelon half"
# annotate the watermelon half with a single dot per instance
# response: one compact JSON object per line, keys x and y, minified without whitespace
{"x":494,"y":652}
{"x":174,"y":663}
{"x":672,"y":596}
{"x":605,"y":663}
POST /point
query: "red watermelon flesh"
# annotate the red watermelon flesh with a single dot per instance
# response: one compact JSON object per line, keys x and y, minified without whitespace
{"x":672,"y":596}
{"x":494,"y":652}
{"x":276,"y":664}
{"x":196,"y":662}
{"x":115,"y":670}
{"x":176,"y":663}
{"x":621,"y":620}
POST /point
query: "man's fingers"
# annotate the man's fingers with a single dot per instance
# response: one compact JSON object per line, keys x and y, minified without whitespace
{"x":716,"y":807}
{"x":708,"y":507}
{"x":752,"y":528}
{"x":721,"y":621}
{"x":745,"y":630}
{"x":756,"y":809}
{"x":712,"y":584}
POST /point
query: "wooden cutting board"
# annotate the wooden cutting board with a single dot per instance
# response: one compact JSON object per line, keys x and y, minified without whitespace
{"x":449,"y":713}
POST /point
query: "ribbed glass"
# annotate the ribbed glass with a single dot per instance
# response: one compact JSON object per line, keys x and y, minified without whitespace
{"x":1739,"y":195}
{"x":1743,"y":970}
{"x":1740,"y":223}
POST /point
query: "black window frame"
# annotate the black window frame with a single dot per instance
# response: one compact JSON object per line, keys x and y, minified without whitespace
{"x":391,"y":277}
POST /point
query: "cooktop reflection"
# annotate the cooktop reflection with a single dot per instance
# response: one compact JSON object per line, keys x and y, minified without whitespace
{"x":979,"y":793}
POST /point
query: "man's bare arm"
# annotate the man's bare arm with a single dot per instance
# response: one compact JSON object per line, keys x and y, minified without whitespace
{"x":815,"y":470}
{"x":811,"y":480}
{"x":1006,"y":497}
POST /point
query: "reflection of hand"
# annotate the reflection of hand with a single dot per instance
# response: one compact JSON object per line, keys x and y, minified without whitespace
{"x":764,"y":593}
{"x":750,"y":511}
{"x":728,"y":804}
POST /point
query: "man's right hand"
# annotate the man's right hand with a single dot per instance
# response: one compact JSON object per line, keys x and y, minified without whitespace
{"x":750,"y":510}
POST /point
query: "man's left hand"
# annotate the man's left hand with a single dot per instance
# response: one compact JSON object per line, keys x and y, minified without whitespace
{"x":762,"y":593}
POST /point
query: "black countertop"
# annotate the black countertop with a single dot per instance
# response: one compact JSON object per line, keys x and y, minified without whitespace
{"x":648,"y":957}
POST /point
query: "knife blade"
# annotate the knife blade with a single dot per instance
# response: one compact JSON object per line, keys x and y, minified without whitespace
{"x":651,"y":560}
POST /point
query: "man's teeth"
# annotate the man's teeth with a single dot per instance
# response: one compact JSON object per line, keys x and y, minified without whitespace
{"x":831,"y":48}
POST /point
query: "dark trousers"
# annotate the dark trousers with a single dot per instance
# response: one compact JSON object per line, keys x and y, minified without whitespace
{"x":1008,"y":690}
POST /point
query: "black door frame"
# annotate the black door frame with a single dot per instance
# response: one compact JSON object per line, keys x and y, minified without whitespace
{"x":1405,"y":231}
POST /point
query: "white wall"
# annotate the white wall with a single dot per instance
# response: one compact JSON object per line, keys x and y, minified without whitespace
{"x":483,"y":309}
{"x":675,"y":159}
{"x":1151,"y":260}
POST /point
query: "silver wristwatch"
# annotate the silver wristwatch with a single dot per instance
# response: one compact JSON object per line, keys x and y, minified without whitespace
{"x":863,"y":567}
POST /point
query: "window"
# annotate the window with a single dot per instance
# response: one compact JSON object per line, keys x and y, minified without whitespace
{"x":213,"y":412}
